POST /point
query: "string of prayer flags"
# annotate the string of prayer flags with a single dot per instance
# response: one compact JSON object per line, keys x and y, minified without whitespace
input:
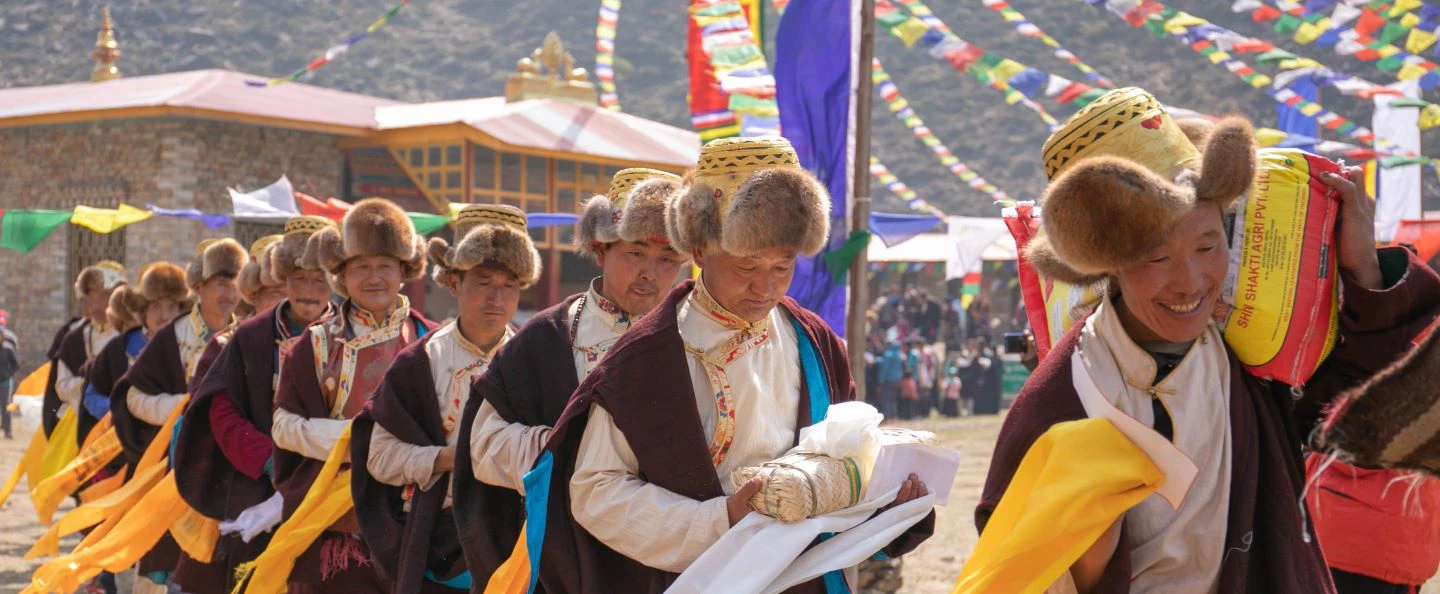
{"x":739,"y":66}
{"x":1029,"y":29}
{"x":990,"y":69}
{"x":906,"y":114}
{"x":1360,"y":29}
{"x":334,"y":52}
{"x":605,"y":53}
{"x":898,"y":188}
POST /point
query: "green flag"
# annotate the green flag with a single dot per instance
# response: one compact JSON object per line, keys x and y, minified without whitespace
{"x":426,"y":223}
{"x":23,"y":229}
{"x":838,"y":261}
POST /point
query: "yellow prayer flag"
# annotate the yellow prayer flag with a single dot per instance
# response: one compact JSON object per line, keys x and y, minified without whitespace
{"x":1050,"y":515}
{"x":325,"y":503}
{"x":911,"y":31}
{"x":106,"y":220}
{"x":1409,"y":20}
{"x":1006,"y":69}
{"x":1419,"y":41}
{"x":1311,"y":109}
{"x":1406,"y":6}
{"x":1182,"y":21}
{"x":1410,"y":72}
{"x":1429,"y":118}
{"x":1387,"y":51}
{"x":513,"y":576}
{"x":1269,"y":136}
{"x":1307,"y":33}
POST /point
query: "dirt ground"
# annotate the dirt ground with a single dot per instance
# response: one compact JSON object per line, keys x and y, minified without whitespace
{"x":931,"y":569}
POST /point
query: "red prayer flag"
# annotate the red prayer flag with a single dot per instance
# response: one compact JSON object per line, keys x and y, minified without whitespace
{"x":312,"y":206}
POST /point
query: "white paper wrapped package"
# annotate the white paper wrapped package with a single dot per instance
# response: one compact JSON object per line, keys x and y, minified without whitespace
{"x":829,"y":468}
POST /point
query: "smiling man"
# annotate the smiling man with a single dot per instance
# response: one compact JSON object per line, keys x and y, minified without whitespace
{"x":512,"y":407}
{"x":1140,"y":209}
{"x":224,"y":447}
{"x":722,"y":375}
{"x":407,"y":435}
{"x":334,"y":368}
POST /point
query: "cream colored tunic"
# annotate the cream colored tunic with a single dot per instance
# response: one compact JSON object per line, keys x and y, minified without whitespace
{"x":454,"y":363}
{"x":192,"y":336}
{"x":69,"y":384}
{"x":1172,"y":550}
{"x":662,"y":529}
{"x":501,"y":453}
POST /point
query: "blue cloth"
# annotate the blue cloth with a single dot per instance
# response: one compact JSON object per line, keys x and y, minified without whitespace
{"x":538,"y":220}
{"x":213,"y":221}
{"x":892,"y":369}
{"x":136,"y":343}
{"x":1292,"y":121}
{"x":175,"y":439}
{"x":459,"y":582}
{"x":813,"y":90}
{"x":818,"y":391}
{"x":896,"y":228}
{"x":97,"y":404}
{"x":537,"y":505}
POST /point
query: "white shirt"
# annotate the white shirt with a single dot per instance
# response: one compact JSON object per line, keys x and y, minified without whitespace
{"x":1172,"y":550}
{"x":662,"y":529}
{"x":454,"y":363}
{"x":501,"y":452}
{"x":69,"y":384}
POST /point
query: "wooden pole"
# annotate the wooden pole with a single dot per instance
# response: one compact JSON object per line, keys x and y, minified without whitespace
{"x":855,"y":331}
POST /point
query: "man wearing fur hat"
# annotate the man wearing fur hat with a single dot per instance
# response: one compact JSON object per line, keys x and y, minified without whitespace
{"x":406,"y":436}
{"x":1140,"y":208}
{"x":224,"y":447}
{"x":512,"y":407}
{"x":258,"y":293}
{"x":159,"y":381}
{"x":82,"y":342}
{"x":711,"y":381}
{"x":334,"y":369}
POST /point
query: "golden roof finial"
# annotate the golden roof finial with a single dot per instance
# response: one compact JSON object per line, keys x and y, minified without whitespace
{"x":549,"y":72}
{"x":107,"y":51}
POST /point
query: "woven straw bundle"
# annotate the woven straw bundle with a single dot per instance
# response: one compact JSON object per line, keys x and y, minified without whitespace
{"x":802,"y":485}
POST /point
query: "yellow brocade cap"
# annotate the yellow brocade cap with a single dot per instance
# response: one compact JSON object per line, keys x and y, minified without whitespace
{"x":724,"y":164}
{"x":258,"y":246}
{"x":306,"y":224}
{"x":488,"y":214}
{"x":626,"y":180}
{"x":1128,"y":123}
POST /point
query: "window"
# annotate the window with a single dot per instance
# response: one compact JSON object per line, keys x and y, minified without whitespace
{"x":564,"y":171}
{"x":535,"y":176}
{"x":483,"y":167}
{"x":510,"y":172}
{"x":452,"y":154}
{"x":452,"y":180}
{"x":435,"y":156}
{"x":439,"y":169}
{"x":83,"y":246}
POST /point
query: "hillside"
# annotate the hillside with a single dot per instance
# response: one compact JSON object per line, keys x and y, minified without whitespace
{"x":465,"y":48}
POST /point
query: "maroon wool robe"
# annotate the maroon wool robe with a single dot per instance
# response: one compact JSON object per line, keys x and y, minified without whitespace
{"x":1265,"y":543}
{"x":530,"y":382}
{"x":663,"y":427}
{"x":293,"y":474}
{"x":404,"y":544}
{"x":159,"y":370}
{"x":63,"y":350}
{"x":242,"y":371}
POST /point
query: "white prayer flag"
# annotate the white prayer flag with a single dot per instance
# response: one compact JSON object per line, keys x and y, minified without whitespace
{"x":275,"y":201}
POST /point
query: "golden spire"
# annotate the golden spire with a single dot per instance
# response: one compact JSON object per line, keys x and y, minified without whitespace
{"x":550,"y":72}
{"x":107,"y":52}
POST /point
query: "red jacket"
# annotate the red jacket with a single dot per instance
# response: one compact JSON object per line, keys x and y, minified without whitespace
{"x":1383,"y":524}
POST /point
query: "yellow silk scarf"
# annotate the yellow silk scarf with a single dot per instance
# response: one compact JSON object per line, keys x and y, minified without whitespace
{"x":101,"y":447}
{"x":67,"y":573}
{"x":103,"y":487}
{"x":513,"y":576}
{"x":61,"y":449}
{"x":1051,"y":514}
{"x":324,"y":504}
{"x":29,"y":465}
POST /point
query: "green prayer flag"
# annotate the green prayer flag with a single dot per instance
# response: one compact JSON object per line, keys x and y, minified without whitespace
{"x":1287,"y":24}
{"x":23,"y":229}
{"x":838,"y":260}
{"x":1391,"y":32}
{"x":1390,"y":64}
{"x":1089,"y":97}
{"x":1276,"y":56}
{"x":1402,"y":160}
{"x":1408,"y":102}
{"x":426,"y":223}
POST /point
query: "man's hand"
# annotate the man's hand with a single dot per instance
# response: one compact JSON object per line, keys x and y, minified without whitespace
{"x":737,"y":505}
{"x":1357,"y":227}
{"x":445,"y":462}
{"x":913,"y":488}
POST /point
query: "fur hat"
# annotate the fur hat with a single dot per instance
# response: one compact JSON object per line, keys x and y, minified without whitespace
{"x":634,"y":210}
{"x":748,"y":195}
{"x":288,"y":255}
{"x":103,"y":276}
{"x":252,"y":279}
{"x":117,"y":314}
{"x":159,"y":280}
{"x":1122,"y":174}
{"x":1390,"y":420}
{"x":487,"y":233}
{"x":373,"y":227}
{"x":216,"y":257}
